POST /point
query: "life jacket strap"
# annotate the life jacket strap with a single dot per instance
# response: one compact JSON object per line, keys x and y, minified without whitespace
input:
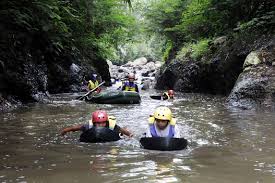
{"x":154,"y":132}
{"x":112,"y":122}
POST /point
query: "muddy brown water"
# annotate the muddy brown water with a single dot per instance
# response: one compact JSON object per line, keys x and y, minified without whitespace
{"x":225,"y":144}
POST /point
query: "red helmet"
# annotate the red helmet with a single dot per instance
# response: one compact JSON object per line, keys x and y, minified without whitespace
{"x":171,"y":92}
{"x":99,"y":116}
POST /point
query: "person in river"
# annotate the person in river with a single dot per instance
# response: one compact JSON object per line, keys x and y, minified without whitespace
{"x":118,"y":84}
{"x":168,"y":95}
{"x":93,"y":83}
{"x":99,"y":118}
{"x":162,"y":124}
{"x":130,"y":85}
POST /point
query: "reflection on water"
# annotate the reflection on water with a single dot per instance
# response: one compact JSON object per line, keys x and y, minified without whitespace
{"x":225,"y":145}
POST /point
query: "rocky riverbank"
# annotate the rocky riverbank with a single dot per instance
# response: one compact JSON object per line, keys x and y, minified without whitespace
{"x":145,"y":71}
{"x":31,"y":77}
{"x":240,"y":67}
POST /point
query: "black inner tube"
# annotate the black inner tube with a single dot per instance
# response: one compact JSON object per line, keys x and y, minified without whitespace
{"x":99,"y":134}
{"x":156,"y":97}
{"x":163,"y":143}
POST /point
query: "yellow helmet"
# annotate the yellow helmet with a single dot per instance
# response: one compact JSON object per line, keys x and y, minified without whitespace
{"x":163,"y":113}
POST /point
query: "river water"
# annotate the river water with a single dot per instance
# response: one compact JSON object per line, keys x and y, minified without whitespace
{"x":225,"y":145}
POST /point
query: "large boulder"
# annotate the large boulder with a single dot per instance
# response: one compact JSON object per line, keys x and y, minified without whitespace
{"x":25,"y":80}
{"x":76,"y":77}
{"x":254,"y":58}
{"x":158,"y":64}
{"x":220,"y":41}
{"x":254,"y":88}
{"x":190,"y":76}
{"x":140,"y":67}
{"x":138,"y":62}
{"x":256,"y":84}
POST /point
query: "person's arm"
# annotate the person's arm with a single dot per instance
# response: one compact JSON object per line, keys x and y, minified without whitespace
{"x":136,"y":88}
{"x":177,"y":132}
{"x":123,"y":87}
{"x":125,"y":131}
{"x":164,"y":96}
{"x":148,"y":133}
{"x":71,"y":129}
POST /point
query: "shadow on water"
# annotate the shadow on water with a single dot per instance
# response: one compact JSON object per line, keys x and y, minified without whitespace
{"x":225,"y":145}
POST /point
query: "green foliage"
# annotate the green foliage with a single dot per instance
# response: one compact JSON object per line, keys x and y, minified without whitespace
{"x":140,"y":42}
{"x":109,"y":28}
{"x":194,"y":50}
{"x":65,"y":26}
{"x":200,"y":48}
{"x":163,"y":15}
{"x":169,"y":46}
{"x":195,"y":20}
{"x":187,"y":21}
{"x":208,"y":18}
{"x":185,"y":51}
{"x":262,"y":21}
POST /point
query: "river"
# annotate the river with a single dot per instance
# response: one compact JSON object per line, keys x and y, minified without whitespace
{"x":225,"y":144}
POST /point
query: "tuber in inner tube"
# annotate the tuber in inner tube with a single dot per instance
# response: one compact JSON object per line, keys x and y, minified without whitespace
{"x":163,"y":143}
{"x":99,"y":134}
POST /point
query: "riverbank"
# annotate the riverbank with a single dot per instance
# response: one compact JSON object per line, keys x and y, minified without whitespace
{"x":50,"y":46}
{"x":218,"y":70}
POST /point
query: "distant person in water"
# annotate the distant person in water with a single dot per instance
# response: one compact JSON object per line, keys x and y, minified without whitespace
{"x":84,"y":84}
{"x":168,"y":95}
{"x":118,"y":84}
{"x":130,"y":85}
{"x":99,"y":118}
{"x":162,"y":124}
{"x":93,"y":83}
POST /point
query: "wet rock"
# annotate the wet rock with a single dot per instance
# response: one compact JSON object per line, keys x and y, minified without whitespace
{"x":58,"y":78}
{"x":124,"y":69}
{"x":110,"y":64}
{"x":252,"y":59}
{"x":179,"y":83}
{"x":147,"y":69}
{"x":220,"y":40}
{"x":140,"y":67}
{"x":146,"y":85}
{"x":158,"y":64}
{"x":31,"y":65}
{"x":254,"y":88}
{"x":168,"y":77}
{"x":215,"y":77}
{"x":42,"y":97}
{"x":9,"y":103}
{"x":25,"y":80}
{"x":138,"y":62}
{"x":74,"y":68}
{"x":2,"y":67}
{"x":76,"y":77}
